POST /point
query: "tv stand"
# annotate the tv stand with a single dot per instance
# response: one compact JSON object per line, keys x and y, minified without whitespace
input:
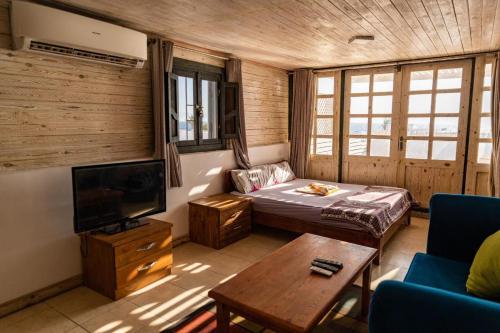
{"x":122,"y":226}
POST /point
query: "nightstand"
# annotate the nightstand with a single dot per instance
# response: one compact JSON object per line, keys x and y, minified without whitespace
{"x":219,"y":220}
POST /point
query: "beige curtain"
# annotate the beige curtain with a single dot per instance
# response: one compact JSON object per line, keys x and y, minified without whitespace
{"x":495,"y":129}
{"x":161,"y":63}
{"x":302,"y":118}
{"x":239,"y":144}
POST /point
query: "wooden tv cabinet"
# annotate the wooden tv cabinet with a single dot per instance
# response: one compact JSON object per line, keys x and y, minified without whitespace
{"x":116,"y":265}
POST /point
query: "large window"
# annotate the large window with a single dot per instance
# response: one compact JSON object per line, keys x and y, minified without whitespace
{"x":325,"y":124}
{"x":369,"y":110}
{"x":485,"y":141}
{"x":199,"y":107}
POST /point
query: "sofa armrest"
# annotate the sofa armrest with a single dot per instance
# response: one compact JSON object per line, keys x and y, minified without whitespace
{"x":406,"y":307}
{"x":460,"y":223}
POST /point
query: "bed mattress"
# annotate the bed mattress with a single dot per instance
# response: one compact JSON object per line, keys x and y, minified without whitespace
{"x":284,"y":200}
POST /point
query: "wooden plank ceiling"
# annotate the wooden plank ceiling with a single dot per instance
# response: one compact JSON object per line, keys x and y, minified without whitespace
{"x":315,"y":33}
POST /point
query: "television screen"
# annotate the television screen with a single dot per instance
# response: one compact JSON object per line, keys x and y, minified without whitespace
{"x":112,"y":193}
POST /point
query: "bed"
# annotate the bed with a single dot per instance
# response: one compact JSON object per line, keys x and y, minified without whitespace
{"x":335,"y":216}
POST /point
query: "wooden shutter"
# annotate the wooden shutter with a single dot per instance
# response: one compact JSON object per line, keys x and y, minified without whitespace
{"x":171,"y":108}
{"x":230,"y":110}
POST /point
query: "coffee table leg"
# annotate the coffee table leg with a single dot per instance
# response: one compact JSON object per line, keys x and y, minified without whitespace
{"x":365,"y":293}
{"x":222,"y":318}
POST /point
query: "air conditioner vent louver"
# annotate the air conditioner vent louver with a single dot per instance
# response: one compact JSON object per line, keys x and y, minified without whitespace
{"x":89,"y":55}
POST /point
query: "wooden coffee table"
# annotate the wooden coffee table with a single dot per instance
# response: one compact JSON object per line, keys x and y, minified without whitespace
{"x":280,"y":292}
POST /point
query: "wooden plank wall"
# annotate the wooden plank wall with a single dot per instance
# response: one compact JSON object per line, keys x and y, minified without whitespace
{"x":58,"y":111}
{"x":265,"y":94}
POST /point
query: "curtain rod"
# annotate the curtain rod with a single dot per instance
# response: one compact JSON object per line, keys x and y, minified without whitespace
{"x":403,"y":62}
{"x":200,"y":52}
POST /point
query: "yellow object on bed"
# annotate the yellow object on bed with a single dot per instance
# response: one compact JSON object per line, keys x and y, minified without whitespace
{"x":318,"y":189}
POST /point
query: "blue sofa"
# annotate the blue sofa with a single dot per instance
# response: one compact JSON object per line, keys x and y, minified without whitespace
{"x":433,"y":296}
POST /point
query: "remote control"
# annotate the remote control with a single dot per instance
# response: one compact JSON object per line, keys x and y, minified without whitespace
{"x":333,"y":269}
{"x":330,"y":262}
{"x":321,"y":271}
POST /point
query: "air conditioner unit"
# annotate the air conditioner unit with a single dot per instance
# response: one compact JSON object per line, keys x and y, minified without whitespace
{"x":48,"y":30}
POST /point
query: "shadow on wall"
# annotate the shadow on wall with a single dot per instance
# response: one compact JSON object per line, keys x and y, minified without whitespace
{"x":202,"y":176}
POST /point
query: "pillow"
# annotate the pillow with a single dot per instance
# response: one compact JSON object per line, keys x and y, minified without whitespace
{"x":282,"y":172}
{"x":253,"y":179}
{"x":484,"y":276}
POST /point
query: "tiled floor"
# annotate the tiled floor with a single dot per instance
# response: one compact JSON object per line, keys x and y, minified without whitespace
{"x":196,"y":270}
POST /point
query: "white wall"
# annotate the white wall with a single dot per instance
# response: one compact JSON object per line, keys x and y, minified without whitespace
{"x":37,"y":244}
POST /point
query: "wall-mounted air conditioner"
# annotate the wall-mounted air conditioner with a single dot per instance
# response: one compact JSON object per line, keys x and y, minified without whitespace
{"x":48,"y":30}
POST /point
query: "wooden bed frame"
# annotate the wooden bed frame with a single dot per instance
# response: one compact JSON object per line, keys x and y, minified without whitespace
{"x":301,"y":226}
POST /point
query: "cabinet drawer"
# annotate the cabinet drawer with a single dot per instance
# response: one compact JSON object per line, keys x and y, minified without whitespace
{"x":235,"y":231}
{"x":145,"y":269}
{"x":142,"y":248}
{"x":227,"y":218}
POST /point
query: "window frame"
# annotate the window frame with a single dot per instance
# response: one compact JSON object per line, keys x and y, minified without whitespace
{"x":394,"y":115}
{"x":199,"y":72}
{"x":335,"y":117}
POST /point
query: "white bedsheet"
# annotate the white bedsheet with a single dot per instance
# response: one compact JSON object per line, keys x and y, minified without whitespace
{"x":284,"y":200}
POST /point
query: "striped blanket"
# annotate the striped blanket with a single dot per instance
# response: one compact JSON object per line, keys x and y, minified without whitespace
{"x":375,"y":209}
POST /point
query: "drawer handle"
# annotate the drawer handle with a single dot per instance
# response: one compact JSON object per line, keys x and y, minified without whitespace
{"x":146,"y":247}
{"x":146,"y":267}
{"x":237,"y":227}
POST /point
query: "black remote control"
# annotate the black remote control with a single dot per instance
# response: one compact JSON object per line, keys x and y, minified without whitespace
{"x":337,"y":264}
{"x":325,"y":266}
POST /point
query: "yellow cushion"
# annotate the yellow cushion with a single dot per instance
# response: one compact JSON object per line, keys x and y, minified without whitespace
{"x":484,"y":276}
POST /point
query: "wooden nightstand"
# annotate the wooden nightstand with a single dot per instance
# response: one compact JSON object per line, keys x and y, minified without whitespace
{"x":219,"y":220}
{"x":116,"y":265}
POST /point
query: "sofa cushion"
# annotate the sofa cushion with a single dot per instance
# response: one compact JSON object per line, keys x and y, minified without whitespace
{"x":484,"y":277}
{"x":438,"y":272}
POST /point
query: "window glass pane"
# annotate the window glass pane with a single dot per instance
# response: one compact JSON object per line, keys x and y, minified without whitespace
{"x":484,"y":152}
{"x":417,"y":149}
{"x":420,"y":103}
{"x":380,"y":147}
{"x":449,"y":78}
{"x":487,"y":75}
{"x":326,"y":85}
{"x":446,"y":126}
{"x":186,"y":108}
{"x":383,"y":82}
{"x":209,"y":100}
{"x":382,"y":104}
{"x":358,"y":126}
{"x":418,"y":126}
{"x":447,"y":103}
{"x":421,"y":80}
{"x":485,"y":128}
{"x":357,"y":146}
{"x":381,"y":126}
{"x":359,"y":105}
{"x":324,"y":106}
{"x":444,"y":150}
{"x":324,"y":146}
{"x":360,"y":83}
{"x":486,"y":107}
{"x":324,"y":126}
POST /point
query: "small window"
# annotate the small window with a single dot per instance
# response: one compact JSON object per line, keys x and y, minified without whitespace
{"x":484,"y":140}
{"x":324,"y":117}
{"x":196,"y":105}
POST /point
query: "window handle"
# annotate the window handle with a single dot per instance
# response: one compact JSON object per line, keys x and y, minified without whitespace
{"x":401,"y":143}
{"x":199,"y":109}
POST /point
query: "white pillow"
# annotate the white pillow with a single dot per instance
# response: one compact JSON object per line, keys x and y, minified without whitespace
{"x":282,"y":172}
{"x":253,"y":179}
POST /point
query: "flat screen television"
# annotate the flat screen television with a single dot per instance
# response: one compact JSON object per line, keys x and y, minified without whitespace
{"x":111,"y":197}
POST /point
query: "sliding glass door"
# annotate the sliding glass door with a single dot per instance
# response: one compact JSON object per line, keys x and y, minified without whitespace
{"x":371,"y":122}
{"x":432,"y":138}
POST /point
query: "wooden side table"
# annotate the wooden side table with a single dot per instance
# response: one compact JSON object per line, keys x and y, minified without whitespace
{"x":219,"y":220}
